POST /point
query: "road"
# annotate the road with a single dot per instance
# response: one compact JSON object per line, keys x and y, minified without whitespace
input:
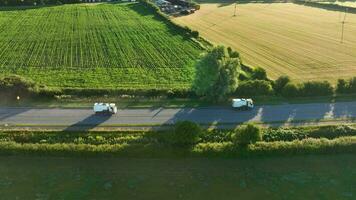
{"x":210,"y":115}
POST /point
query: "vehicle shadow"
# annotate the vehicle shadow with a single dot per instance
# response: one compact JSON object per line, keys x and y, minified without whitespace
{"x":89,"y":123}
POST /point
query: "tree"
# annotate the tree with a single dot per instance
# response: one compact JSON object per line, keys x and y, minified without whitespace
{"x":217,"y":74}
{"x":247,"y":134}
{"x":280,"y":83}
{"x":259,"y":74}
{"x":186,"y":133}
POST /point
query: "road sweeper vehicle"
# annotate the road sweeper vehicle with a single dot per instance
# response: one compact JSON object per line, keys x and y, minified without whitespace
{"x":242,"y":104}
{"x":105,"y":108}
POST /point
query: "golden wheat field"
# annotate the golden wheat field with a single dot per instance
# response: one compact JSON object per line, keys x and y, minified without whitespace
{"x":284,"y":38}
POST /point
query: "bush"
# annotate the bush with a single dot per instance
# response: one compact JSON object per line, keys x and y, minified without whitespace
{"x":346,"y":87}
{"x":307,"y":89}
{"x":259,"y":74}
{"x":284,"y":134}
{"x":195,"y":34}
{"x":186,"y":133}
{"x":13,"y":85}
{"x":280,"y":83}
{"x":316,"y":88}
{"x":332,"y":132}
{"x":247,"y":134}
{"x":254,"y":88}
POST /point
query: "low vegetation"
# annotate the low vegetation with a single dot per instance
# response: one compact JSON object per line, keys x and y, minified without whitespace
{"x":186,"y":140}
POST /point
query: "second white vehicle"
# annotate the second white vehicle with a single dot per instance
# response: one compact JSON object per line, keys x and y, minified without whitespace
{"x":105,"y":108}
{"x":242,"y":104}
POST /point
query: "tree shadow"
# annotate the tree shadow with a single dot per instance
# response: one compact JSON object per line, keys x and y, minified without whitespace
{"x":10,"y":112}
{"x":332,"y":7}
{"x":89,"y":123}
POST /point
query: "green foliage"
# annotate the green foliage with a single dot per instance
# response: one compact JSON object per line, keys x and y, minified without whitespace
{"x":346,"y":87}
{"x":259,"y":74}
{"x":280,"y":83}
{"x":247,"y":134}
{"x":332,"y":132}
{"x":98,"y":46}
{"x":284,"y":134}
{"x":276,"y":141}
{"x":254,"y":88}
{"x":13,"y":85}
{"x":186,"y":133}
{"x":290,"y":90}
{"x":308,"y":89}
{"x":217,"y":74}
{"x":316,"y":88}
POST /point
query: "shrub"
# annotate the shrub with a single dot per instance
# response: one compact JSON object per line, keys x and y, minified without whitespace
{"x":332,"y":132}
{"x":247,"y":134}
{"x":254,"y":88}
{"x":195,"y":34}
{"x":186,"y":133}
{"x":316,"y":88}
{"x":14,"y":85}
{"x":346,"y":87}
{"x":280,"y":83}
{"x":290,"y":90}
{"x":284,"y":134}
{"x":341,"y":86}
{"x":259,"y":74}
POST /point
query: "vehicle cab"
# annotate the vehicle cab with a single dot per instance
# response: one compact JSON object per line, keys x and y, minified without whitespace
{"x":108,"y":108}
{"x":242,"y":104}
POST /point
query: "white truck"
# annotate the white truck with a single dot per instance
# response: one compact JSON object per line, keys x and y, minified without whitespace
{"x":105,"y":108}
{"x":242,"y":104}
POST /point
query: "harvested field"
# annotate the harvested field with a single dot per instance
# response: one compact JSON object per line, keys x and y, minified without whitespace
{"x":284,"y":38}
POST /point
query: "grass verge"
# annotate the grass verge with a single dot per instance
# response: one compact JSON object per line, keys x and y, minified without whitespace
{"x":276,"y":141}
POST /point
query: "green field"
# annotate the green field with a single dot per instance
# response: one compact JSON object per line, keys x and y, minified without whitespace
{"x":309,"y":177}
{"x":284,"y":38}
{"x":95,"y":46}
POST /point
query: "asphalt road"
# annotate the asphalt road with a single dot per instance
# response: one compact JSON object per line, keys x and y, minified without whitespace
{"x":210,"y":115}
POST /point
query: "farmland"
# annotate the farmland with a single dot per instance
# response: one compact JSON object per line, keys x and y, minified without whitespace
{"x":309,"y":177}
{"x":283,"y":38}
{"x":95,"y":46}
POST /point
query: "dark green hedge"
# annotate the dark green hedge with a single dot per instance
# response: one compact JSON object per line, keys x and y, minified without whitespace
{"x":335,"y":7}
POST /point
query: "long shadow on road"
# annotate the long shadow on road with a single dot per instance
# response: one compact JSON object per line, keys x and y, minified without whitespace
{"x":89,"y":123}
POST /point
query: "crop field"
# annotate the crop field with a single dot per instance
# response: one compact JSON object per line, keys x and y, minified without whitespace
{"x":284,"y":38}
{"x":309,"y":177}
{"x":95,"y":46}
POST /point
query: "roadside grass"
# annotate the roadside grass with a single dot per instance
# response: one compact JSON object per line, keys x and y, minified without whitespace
{"x":284,"y":38}
{"x":144,"y":102}
{"x":215,"y":143}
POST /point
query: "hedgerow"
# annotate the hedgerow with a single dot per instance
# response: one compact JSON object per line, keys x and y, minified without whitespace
{"x":275,"y":141}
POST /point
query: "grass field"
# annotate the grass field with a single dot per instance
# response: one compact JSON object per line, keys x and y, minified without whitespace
{"x":95,"y":46}
{"x":283,"y":38}
{"x":309,"y":177}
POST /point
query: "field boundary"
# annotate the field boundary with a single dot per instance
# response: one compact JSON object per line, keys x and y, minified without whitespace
{"x":333,"y":7}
